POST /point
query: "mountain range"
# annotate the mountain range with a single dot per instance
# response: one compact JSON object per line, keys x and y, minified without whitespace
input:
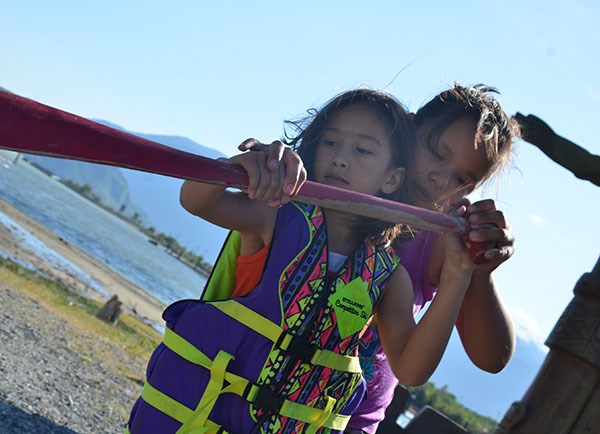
{"x":156,"y":200}
{"x":153,"y":198}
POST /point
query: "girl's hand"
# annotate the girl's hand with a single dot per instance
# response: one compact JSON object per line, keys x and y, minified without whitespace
{"x":267,"y":184}
{"x":275,"y":153}
{"x":457,"y":258}
{"x":489,"y":225}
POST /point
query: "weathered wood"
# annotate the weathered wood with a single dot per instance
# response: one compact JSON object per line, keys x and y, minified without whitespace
{"x":577,"y":329}
{"x":555,"y":399}
{"x":589,"y":421}
{"x":564,"y":397}
{"x":111,"y":311}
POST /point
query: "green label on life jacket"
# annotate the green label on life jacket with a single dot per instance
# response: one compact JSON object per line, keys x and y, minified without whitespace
{"x":352,"y":306}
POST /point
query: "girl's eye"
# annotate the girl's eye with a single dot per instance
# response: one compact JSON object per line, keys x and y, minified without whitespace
{"x":329,"y":142}
{"x":433,"y":151}
{"x":363,"y":151}
{"x":436,"y":154}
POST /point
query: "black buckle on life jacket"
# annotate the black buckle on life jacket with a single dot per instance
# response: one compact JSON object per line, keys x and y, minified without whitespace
{"x":299,"y":347}
{"x":266,"y":399}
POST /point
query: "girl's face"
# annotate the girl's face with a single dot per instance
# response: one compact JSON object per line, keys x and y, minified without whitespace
{"x":449,"y":169}
{"x":354,"y":152}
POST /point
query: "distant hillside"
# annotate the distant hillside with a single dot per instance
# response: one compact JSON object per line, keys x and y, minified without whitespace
{"x":158,"y":196}
{"x":178,"y":142}
{"x":154,"y":198}
{"x":108,"y":183}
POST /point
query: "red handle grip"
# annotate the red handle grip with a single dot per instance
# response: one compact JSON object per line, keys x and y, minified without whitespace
{"x":477,"y":249}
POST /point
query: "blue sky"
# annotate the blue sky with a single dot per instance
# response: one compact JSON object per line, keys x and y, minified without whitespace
{"x":220,"y":72}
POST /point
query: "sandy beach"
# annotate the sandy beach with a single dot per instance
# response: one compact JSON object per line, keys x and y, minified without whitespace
{"x":56,"y":375}
{"x":135,"y":299}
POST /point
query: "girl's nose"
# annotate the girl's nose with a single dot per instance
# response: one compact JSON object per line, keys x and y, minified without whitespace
{"x":441,"y":180}
{"x":340,"y":159}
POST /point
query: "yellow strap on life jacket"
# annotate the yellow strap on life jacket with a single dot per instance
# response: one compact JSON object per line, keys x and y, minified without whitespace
{"x":327,"y":411}
{"x":189,"y":352}
{"x":238,"y":385}
{"x":203,"y":430}
{"x":273,"y":332}
{"x":316,"y":417}
{"x":212,"y":391}
{"x":174,"y":409}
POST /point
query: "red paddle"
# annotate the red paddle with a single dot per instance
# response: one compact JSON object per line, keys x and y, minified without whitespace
{"x":30,"y":127}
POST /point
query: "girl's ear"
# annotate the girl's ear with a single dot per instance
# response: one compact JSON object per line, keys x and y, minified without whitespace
{"x":393,"y":180}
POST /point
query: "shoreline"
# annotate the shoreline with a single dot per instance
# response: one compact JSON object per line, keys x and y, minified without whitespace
{"x":4,"y":160}
{"x":135,"y":299}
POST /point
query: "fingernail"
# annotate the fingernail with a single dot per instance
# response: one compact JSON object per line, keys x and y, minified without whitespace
{"x":288,"y":189}
{"x":473,"y":217}
{"x":475,"y":235}
{"x":273,"y":164}
{"x":491,"y":254}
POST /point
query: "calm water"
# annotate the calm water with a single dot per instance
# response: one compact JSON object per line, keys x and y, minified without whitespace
{"x":100,"y":234}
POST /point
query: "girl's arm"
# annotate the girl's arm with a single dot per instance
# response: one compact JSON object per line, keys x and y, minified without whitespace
{"x":237,"y":210}
{"x":484,"y":325}
{"x":415,"y":350}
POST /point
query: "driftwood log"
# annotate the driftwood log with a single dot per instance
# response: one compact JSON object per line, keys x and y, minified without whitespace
{"x":565,"y":395}
{"x":111,"y":311}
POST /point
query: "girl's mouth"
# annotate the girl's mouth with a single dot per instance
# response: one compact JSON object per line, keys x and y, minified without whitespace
{"x":421,"y":192}
{"x":335,"y":180}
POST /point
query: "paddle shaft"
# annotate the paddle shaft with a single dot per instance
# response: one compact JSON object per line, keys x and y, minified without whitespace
{"x":30,"y":127}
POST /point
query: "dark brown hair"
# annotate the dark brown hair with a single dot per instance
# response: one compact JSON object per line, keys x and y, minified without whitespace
{"x":303,"y":136}
{"x":495,"y":129}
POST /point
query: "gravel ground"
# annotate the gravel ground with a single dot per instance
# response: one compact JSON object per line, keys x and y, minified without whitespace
{"x":55,"y":379}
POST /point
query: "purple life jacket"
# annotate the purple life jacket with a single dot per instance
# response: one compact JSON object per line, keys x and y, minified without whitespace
{"x":281,"y":359}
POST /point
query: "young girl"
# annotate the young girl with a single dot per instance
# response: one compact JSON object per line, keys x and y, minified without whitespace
{"x":283,"y":357}
{"x":464,"y":137}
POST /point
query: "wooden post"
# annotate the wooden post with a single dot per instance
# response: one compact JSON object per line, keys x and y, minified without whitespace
{"x":565,"y":395}
{"x":111,"y":311}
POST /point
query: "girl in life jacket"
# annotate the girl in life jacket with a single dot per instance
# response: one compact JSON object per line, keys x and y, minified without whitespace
{"x":283,"y":357}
